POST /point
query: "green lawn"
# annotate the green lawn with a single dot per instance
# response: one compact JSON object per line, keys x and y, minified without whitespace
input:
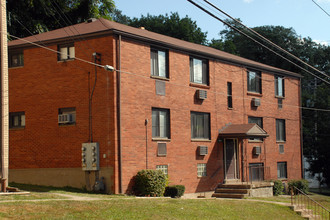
{"x":129,"y":207}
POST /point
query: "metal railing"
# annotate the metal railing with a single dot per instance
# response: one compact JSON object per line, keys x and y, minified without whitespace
{"x":307,"y":205}
{"x":258,"y":173}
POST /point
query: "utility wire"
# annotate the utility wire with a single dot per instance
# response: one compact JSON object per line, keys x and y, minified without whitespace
{"x":321,"y":8}
{"x":267,"y":40}
{"x":251,"y":38}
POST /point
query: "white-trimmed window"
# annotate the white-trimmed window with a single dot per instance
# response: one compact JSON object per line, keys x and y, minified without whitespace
{"x":280,"y":130}
{"x":282,"y":170}
{"x":16,"y":119}
{"x":258,"y":121}
{"x":199,"y":72}
{"x":66,"y":52}
{"x":254,"y":81}
{"x":201,"y":170}
{"x":159,"y":63}
{"x":67,"y":116}
{"x":15,"y":59}
{"x":163,"y":168}
{"x":200,"y":125}
{"x":160,"y":123}
{"x":279,"y":86}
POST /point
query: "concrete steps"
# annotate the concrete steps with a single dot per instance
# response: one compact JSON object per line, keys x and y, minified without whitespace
{"x":233,"y":191}
{"x":304,"y":212}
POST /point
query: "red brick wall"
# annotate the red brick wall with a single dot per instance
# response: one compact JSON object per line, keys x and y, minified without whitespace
{"x":43,"y":85}
{"x":138,"y":98}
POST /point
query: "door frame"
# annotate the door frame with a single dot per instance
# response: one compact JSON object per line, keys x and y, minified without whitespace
{"x":236,"y":157}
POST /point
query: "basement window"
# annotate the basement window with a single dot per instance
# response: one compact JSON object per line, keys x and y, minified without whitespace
{"x":66,"y":116}
{"x":66,"y":52}
{"x":201,"y":170}
{"x":163,"y":168}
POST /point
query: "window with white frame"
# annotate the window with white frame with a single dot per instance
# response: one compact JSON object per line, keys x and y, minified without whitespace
{"x":280,"y":130}
{"x":163,"y":168}
{"x":159,"y":63}
{"x":66,"y":52}
{"x":201,"y":170}
{"x":160,"y":123}
{"x":258,"y":121}
{"x":15,"y":59}
{"x":16,"y":119}
{"x":254,"y":81}
{"x":282,"y":170}
{"x":279,"y":86}
{"x":199,"y":72}
{"x":200,"y":125}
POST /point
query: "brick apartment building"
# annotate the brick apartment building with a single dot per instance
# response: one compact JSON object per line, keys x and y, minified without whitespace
{"x":201,"y":115}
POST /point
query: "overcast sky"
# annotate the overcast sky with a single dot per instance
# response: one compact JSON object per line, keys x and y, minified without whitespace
{"x":303,"y":15}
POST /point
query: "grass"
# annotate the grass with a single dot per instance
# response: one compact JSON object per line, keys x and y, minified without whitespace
{"x":129,"y":207}
{"x":121,"y":208}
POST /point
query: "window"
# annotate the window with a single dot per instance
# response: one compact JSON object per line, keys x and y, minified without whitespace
{"x":281,"y":148}
{"x":259,"y":122}
{"x":279,"y":86}
{"x":229,"y":95}
{"x":163,"y":168}
{"x":16,"y":119}
{"x":201,"y":170}
{"x":279,"y":103}
{"x":199,"y":71}
{"x":280,"y":130}
{"x":159,"y":63}
{"x":66,"y":116}
{"x":160,"y":123}
{"x":66,"y":52}
{"x":254,"y":81}
{"x":200,"y":125}
{"x":282,"y":170}
{"x":16,"y":59}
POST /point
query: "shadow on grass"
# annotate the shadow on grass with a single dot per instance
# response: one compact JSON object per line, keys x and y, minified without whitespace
{"x":322,"y":191}
{"x":39,"y":188}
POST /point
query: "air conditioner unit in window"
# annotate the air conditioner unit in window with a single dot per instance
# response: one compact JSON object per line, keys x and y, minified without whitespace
{"x":255,"y":102}
{"x":256,"y":150}
{"x":203,"y":150}
{"x":64,"y":118}
{"x":201,"y":94}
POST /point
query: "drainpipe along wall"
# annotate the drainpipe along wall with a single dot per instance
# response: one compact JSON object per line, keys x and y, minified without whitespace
{"x":119,"y":114}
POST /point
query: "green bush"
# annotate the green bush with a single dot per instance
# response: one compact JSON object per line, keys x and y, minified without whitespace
{"x":175,"y":191}
{"x":302,"y":185}
{"x":149,"y":183}
{"x":278,"y":187}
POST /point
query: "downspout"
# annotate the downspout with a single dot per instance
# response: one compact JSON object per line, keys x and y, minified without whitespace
{"x":301,"y":133}
{"x":119,"y":114}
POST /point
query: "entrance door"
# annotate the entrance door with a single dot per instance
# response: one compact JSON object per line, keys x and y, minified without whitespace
{"x":231,"y":159}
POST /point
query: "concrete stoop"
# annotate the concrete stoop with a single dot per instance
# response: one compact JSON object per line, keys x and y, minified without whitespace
{"x":304,"y":212}
{"x":233,"y":191}
{"x":242,"y":190}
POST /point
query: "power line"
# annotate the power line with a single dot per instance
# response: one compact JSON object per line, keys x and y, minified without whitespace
{"x":251,"y":38}
{"x":267,"y":40}
{"x":321,"y":8}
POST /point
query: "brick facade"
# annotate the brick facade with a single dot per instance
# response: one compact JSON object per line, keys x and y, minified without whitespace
{"x":44,"y":84}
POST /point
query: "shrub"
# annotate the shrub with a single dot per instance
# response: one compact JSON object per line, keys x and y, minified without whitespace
{"x":300,"y":184}
{"x":175,"y":191}
{"x":150,"y":183}
{"x":278,"y":187}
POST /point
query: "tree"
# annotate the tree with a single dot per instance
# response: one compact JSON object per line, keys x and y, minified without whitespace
{"x":172,"y":25}
{"x":36,"y":16}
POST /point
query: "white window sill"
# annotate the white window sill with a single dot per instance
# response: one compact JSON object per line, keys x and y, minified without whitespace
{"x":161,"y":139}
{"x":200,"y":140}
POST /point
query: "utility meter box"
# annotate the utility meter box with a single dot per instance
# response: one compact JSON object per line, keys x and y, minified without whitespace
{"x":90,"y":159}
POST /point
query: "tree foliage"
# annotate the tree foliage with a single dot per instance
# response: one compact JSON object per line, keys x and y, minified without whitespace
{"x":172,"y":25}
{"x":315,"y":93}
{"x":36,"y":16}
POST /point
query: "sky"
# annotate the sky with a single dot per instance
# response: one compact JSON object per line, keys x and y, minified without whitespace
{"x":304,"y":16}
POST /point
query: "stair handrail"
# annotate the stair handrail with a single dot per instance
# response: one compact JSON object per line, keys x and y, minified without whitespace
{"x":308,"y":200}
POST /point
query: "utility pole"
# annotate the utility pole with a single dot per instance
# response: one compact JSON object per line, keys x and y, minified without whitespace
{"x":4,"y":148}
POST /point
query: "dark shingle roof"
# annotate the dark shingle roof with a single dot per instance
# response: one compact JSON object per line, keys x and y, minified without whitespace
{"x":103,"y":26}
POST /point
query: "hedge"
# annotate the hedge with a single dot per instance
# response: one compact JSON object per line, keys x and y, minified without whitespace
{"x":175,"y":191}
{"x":302,"y":185}
{"x":150,"y":183}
